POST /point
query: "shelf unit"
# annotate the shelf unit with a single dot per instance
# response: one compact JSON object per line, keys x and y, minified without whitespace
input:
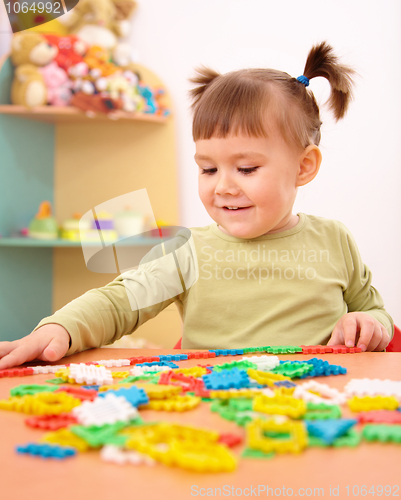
{"x":76,"y":162}
{"x":59,"y":242}
{"x":55,"y":114}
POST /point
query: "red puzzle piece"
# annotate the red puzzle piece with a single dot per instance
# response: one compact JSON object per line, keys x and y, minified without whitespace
{"x":51,"y":422}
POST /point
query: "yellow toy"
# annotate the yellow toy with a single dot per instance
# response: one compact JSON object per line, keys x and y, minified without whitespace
{"x":182,"y":446}
{"x":266,"y":378}
{"x":43,"y":403}
{"x":368,"y":403}
{"x":28,"y":52}
{"x":64,"y":437}
{"x":258,"y":438}
{"x":159,"y":391}
{"x":280,"y":405}
{"x":175,"y":403}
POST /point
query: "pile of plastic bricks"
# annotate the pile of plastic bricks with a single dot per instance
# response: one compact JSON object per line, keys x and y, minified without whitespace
{"x":278,"y":406}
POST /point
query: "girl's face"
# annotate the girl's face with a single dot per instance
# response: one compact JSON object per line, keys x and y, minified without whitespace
{"x":248,"y":184}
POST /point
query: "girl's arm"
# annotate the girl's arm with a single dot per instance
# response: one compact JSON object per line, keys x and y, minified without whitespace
{"x":367,"y":323}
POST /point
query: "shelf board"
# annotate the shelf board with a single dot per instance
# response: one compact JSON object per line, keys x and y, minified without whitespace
{"x":69,"y":114}
{"x":30,"y":242}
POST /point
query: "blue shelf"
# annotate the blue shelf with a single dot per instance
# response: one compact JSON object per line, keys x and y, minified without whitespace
{"x":30,"y":242}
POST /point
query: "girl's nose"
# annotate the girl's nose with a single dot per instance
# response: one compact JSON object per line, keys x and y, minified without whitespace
{"x":226,"y":185}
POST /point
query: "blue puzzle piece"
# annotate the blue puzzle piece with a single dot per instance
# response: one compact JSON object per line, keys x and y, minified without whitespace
{"x":227,"y":352}
{"x":159,"y":363}
{"x":226,"y":379}
{"x":331,"y":429}
{"x":285,"y":383}
{"x":173,"y":357}
{"x":323,"y":368}
{"x":47,"y":450}
{"x":133,"y":395}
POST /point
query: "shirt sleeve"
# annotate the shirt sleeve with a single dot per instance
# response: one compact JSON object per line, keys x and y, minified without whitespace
{"x":360,"y":295}
{"x":102,"y":316}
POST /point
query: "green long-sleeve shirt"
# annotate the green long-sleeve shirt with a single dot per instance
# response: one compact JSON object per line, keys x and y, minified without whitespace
{"x":286,"y":288}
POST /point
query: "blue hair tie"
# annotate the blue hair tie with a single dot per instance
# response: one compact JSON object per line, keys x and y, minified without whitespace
{"x":303,"y":79}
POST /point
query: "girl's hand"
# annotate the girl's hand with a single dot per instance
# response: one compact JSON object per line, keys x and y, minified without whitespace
{"x":362,"y":328}
{"x":48,"y":343}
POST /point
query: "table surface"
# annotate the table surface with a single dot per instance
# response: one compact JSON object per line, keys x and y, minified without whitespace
{"x":87,"y":476}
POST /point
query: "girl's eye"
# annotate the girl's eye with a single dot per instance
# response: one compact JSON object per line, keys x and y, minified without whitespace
{"x":247,"y":170}
{"x":208,"y":171}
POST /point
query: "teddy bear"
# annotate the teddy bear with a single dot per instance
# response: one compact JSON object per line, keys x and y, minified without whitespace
{"x":103,"y":23}
{"x":29,"y":51}
{"x":31,"y":48}
{"x":28,"y":87}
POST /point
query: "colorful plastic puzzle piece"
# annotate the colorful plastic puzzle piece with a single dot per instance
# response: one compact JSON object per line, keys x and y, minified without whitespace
{"x":133,"y":395}
{"x":51,"y":422}
{"x":380,"y":416}
{"x":23,"y":390}
{"x":99,"y":435}
{"x":264,"y":363}
{"x":42,"y":403}
{"x":373,"y":387}
{"x":293,"y":369}
{"x":227,"y":379}
{"x":64,"y":437}
{"x":16,"y":372}
{"x":329,"y":430}
{"x":284,"y":349}
{"x":259,"y":440}
{"x":114,"y":454}
{"x":321,"y":411}
{"x":79,"y":392}
{"x":323,"y":368}
{"x":47,"y":450}
{"x":107,"y":410}
{"x":316,"y":392}
{"x":280,"y":405}
{"x":350,"y":439}
{"x":367,"y":403}
{"x":175,"y":403}
{"x":382,"y":432}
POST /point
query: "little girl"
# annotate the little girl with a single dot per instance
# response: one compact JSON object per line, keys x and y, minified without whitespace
{"x":260,"y":275}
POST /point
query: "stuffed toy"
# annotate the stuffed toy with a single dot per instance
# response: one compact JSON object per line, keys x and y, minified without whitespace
{"x":97,"y":103}
{"x":28,"y":87}
{"x":29,"y":51}
{"x":58,"y":84}
{"x":70,"y":48}
{"x":103,"y":23}
{"x":31,"y":48}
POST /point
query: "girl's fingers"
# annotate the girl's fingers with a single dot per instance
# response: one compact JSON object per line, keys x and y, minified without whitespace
{"x":337,"y":337}
{"x":56,"y":349}
{"x":370,"y":333}
{"x":350,"y":327}
{"x":385,"y":340}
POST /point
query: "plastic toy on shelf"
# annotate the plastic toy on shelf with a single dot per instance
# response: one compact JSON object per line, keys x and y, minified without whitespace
{"x":44,"y":226}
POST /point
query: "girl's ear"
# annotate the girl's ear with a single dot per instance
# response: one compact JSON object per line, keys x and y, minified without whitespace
{"x":309,"y":164}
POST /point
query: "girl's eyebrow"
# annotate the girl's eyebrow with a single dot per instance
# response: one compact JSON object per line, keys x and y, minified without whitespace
{"x":236,"y":156}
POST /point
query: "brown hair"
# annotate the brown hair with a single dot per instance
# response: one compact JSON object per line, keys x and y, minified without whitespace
{"x":237,"y":101}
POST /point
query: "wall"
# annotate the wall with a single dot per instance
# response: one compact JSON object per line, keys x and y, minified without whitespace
{"x":360,"y":178}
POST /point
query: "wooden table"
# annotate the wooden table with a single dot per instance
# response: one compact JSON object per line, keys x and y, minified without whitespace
{"x":315,"y":473}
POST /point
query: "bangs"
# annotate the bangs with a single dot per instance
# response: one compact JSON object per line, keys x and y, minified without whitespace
{"x":234,"y":103}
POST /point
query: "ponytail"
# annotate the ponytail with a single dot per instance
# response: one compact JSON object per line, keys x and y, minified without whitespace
{"x":203,"y":79}
{"x":322,"y":61}
{"x":242,"y":101}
